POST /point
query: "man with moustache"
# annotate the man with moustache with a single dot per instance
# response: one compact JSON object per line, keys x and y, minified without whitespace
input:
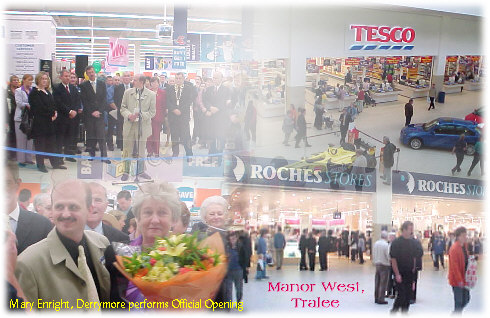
{"x":67,"y":264}
{"x":94,"y":220}
{"x":67,"y":102}
{"x":29,"y":228}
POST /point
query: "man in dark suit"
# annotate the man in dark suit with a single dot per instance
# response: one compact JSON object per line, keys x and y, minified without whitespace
{"x":67,"y":103}
{"x":124,"y":205}
{"x":118,"y":96}
{"x":217,"y":101}
{"x":179,"y":99}
{"x":303,"y":242}
{"x":94,"y":99}
{"x":94,"y":219}
{"x":345,"y":119}
{"x":28,"y":227}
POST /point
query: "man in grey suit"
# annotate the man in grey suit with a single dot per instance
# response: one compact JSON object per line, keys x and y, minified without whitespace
{"x":29,"y":228}
{"x":67,"y":265}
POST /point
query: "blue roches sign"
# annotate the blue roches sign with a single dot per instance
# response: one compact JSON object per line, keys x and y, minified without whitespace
{"x":279,"y":172}
{"x":411,"y":183}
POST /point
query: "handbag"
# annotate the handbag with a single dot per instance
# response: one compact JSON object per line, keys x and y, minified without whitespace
{"x":26,"y":122}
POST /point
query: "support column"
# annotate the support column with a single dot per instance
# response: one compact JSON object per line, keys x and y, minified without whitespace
{"x":295,"y":81}
{"x":137,"y":55}
{"x":382,"y":215}
{"x":438,"y":68}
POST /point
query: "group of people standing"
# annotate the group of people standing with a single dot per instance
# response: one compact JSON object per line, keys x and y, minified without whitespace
{"x":134,"y":109}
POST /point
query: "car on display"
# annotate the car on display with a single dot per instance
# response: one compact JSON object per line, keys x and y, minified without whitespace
{"x":476,"y":115}
{"x":337,"y":159}
{"x":441,"y":133}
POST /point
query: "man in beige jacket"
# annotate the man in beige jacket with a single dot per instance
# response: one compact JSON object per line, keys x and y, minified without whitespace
{"x":65,"y":269}
{"x":137,"y":109}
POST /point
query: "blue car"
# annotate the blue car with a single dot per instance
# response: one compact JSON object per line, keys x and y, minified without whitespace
{"x":441,"y":133}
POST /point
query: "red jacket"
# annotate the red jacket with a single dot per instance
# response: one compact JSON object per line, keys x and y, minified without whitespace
{"x":456,"y":274}
{"x":161,"y":106}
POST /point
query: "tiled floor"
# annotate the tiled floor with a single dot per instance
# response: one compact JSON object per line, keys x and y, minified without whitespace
{"x":434,"y":295}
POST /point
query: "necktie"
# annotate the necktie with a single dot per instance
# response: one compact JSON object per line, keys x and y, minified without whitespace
{"x":67,"y":89}
{"x":87,"y":276}
{"x":93,"y":86}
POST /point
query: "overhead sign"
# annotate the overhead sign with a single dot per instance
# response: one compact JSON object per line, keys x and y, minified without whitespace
{"x":352,"y":61}
{"x":369,"y":37}
{"x":452,"y":59}
{"x":118,"y":52}
{"x":292,"y":221}
{"x":289,"y":173}
{"x":186,"y":194}
{"x":426,"y":59}
{"x":178,"y":59}
{"x":393,"y":59}
{"x":203,"y":167}
{"x":337,"y":215}
{"x":318,"y":222}
{"x":411,"y":183}
{"x":149,"y":63}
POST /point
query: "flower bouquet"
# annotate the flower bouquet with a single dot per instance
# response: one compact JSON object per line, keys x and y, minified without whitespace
{"x":177,"y":267}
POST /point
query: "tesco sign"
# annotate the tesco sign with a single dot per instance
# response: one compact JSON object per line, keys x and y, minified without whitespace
{"x":383,"y":34}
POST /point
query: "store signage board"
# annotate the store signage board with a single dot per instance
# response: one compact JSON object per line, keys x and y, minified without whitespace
{"x":193,"y":47}
{"x":382,"y":38}
{"x":426,"y":59}
{"x":186,"y":194}
{"x":24,"y":58}
{"x":178,"y":59}
{"x":292,"y":221}
{"x":452,"y":59}
{"x":149,"y":63}
{"x":336,"y":222}
{"x":318,"y":222}
{"x":200,"y":166}
{"x":118,"y":52}
{"x":412,"y":183}
{"x":282,"y":173}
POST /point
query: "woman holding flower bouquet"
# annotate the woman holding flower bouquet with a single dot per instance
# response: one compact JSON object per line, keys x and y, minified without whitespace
{"x":156,"y":208}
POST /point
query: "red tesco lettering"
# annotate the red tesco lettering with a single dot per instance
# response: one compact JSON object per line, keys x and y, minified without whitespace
{"x":383,"y":34}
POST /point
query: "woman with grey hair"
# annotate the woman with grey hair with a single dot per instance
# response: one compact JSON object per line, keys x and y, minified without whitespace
{"x":214,"y":212}
{"x":156,"y":208}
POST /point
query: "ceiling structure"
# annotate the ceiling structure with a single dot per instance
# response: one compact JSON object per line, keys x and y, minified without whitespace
{"x":86,"y":29}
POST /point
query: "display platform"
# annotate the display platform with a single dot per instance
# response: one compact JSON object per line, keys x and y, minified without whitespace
{"x":472,"y":86}
{"x":412,"y":92}
{"x":452,"y":89}
{"x":385,"y":97}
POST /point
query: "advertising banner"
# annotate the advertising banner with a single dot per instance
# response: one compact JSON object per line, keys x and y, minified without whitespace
{"x":163,"y":63}
{"x":186,"y":194}
{"x":180,"y":26}
{"x":178,"y":60}
{"x":297,"y":174}
{"x":452,"y":59}
{"x":149,"y":63}
{"x":412,"y":183}
{"x":89,"y":169}
{"x":352,"y":61}
{"x":193,"y":47}
{"x":157,"y":169}
{"x":208,"y":44}
{"x":426,"y":59}
{"x":118,"y":52}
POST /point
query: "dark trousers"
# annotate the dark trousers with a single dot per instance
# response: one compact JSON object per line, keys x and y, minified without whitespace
{"x":119,"y":131}
{"x":302,"y":264}
{"x":408,"y":119}
{"x":459,"y":161}
{"x":461,"y":298}
{"x":96,"y":134}
{"x":45,"y":144}
{"x":404,"y":292}
{"x":323,"y":260}
{"x":198,"y":125}
{"x":437,"y":258}
{"x":476,"y":159}
{"x":74,"y":135}
{"x":311,"y":259}
{"x":343,"y":134}
{"x":250,"y":130}
{"x":353,"y":254}
{"x":391,"y":290}
{"x":111,"y":127}
{"x":414,"y":285}
{"x":381,"y":282}
{"x":181,"y":135}
{"x":234,"y":277}
{"x":431,"y":103}
{"x":299,"y":138}
{"x":361,"y":256}
{"x":63,"y":137}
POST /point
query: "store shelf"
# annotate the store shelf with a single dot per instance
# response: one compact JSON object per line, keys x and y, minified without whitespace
{"x":452,"y":89}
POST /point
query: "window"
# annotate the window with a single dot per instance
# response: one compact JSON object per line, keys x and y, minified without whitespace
{"x":446,"y":130}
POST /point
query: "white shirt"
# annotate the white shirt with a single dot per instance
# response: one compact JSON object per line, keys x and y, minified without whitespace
{"x":381,"y":253}
{"x":94,"y":85}
{"x":97,"y":229}
{"x":14,"y":218}
{"x":127,"y":86}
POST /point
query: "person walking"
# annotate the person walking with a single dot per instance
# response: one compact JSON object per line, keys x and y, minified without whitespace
{"x":408,"y":112}
{"x":438,"y":250}
{"x":388,"y":159}
{"x":418,"y":266}
{"x":361,"y":248}
{"x":311,"y":247}
{"x":341,"y":96}
{"x":354,"y":245}
{"x":477,"y":157}
{"x":345,"y":119}
{"x":432,"y":96}
{"x":279,"y":245}
{"x":287,"y":127}
{"x":301,"y":128}
{"x":323,"y":246}
{"x":261,"y":251}
{"x":381,"y":259}
{"x":236,"y":263}
{"x":403,"y":253}
{"x":318,"y":113}
{"x":458,"y":262}
{"x":302,"y":247}
{"x":459,"y":149}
